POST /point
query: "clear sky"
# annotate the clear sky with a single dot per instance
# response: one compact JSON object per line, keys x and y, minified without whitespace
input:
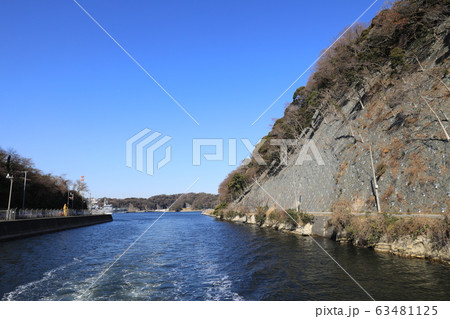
{"x":70,"y":97}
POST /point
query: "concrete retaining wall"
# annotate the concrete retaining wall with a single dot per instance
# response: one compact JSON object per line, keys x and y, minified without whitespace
{"x":320,"y":226}
{"x":30,"y":227}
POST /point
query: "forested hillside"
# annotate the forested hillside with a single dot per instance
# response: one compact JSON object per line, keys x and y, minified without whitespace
{"x":176,"y":202}
{"x":43,"y":191}
{"x":381,"y":95}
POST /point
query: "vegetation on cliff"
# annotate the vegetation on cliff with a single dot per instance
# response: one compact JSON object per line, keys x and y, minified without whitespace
{"x":364,"y":64}
{"x":370,"y":229}
{"x":263,"y":215}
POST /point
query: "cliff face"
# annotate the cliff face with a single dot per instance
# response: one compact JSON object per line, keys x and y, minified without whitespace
{"x":399,"y":112}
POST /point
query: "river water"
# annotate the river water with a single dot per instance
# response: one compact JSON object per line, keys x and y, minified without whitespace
{"x":188,"y":256}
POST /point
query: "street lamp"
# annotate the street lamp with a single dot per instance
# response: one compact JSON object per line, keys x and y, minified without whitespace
{"x":8,"y":213}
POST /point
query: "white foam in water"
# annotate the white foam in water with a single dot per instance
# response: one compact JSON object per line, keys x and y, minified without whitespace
{"x":221,"y":289}
{"x":27,"y":288}
{"x":219,"y":284}
{"x":85,"y":290}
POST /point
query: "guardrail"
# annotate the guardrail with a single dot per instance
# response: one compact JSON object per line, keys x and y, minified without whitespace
{"x":15,"y":214}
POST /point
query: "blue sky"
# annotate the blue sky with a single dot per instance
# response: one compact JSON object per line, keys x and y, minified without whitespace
{"x":70,"y":97}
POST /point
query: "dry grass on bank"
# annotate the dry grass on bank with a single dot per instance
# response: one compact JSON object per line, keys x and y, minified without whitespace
{"x":372,"y":228}
{"x":263,"y":213}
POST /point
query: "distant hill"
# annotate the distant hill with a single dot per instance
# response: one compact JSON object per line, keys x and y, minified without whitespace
{"x":176,"y":202}
{"x":47,"y":191}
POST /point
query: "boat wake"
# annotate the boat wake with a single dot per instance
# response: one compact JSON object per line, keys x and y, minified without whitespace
{"x":36,"y":288}
{"x":221,"y":289}
{"x":217,"y":282}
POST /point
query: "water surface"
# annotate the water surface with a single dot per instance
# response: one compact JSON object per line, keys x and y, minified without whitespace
{"x":188,"y":256}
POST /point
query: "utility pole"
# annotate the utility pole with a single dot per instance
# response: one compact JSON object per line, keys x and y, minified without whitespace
{"x":90,"y":203}
{"x":81,"y":191}
{"x":375,"y":184}
{"x":72,"y":198}
{"x":8,"y":214}
{"x":24,"y":189}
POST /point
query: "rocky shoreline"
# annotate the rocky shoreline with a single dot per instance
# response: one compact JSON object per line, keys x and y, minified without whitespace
{"x":419,"y":247}
{"x":306,"y":230}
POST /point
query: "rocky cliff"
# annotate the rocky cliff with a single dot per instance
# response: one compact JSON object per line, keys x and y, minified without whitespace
{"x":377,"y":110}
